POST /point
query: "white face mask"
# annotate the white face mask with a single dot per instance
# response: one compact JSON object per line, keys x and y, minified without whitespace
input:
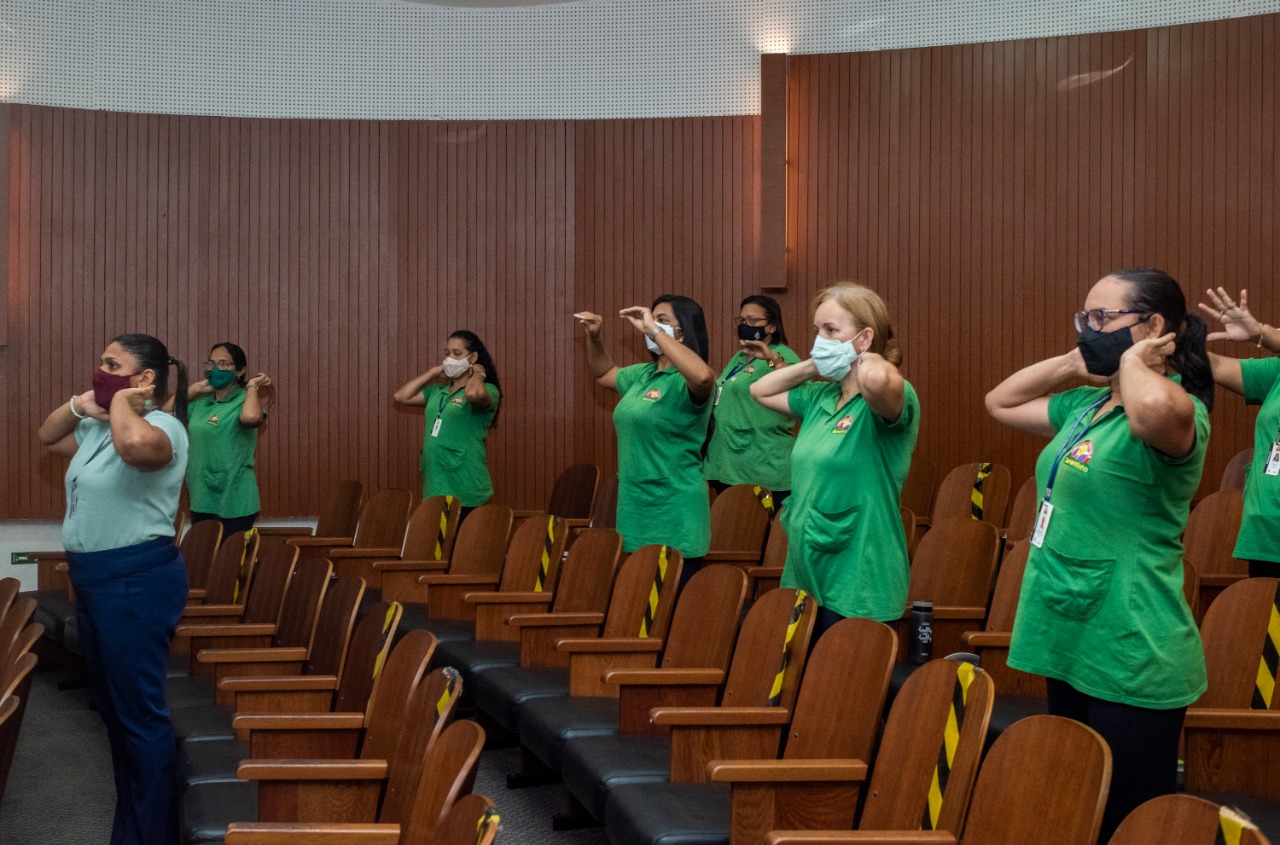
{"x":454,"y":367}
{"x":833,"y":358}
{"x":653,"y":347}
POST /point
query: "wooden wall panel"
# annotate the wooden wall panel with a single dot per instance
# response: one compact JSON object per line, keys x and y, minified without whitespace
{"x":982,"y":189}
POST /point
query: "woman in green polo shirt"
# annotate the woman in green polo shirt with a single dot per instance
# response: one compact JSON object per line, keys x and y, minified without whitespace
{"x":846,"y":545}
{"x":226,"y":410}
{"x":1101,"y":614}
{"x":461,"y":396}
{"x":661,"y":423}
{"x":1258,"y":381}
{"x":751,"y":444}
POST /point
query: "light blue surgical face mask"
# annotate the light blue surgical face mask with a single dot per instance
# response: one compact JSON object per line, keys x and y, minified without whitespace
{"x":662,"y":327}
{"x":833,"y":358}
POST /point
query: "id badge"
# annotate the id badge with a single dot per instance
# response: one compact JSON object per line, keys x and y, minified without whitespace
{"x":719,"y":390}
{"x":435,"y":428}
{"x":71,"y":503}
{"x":1042,"y":524}
{"x":1273,"y":460}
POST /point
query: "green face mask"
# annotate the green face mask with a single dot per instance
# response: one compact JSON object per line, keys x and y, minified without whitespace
{"x":219,"y":379}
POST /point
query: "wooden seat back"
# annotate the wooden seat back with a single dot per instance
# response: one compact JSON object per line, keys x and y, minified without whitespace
{"x":740,"y":520}
{"x":956,"y":493}
{"x":604,"y":509}
{"x":1233,"y":473}
{"x":334,"y":624}
{"x":432,"y":529}
{"x":232,"y":568}
{"x":1004,"y":601}
{"x":340,"y":509}
{"x":12,"y":624}
{"x":574,"y":492}
{"x":405,"y":669}
{"x":482,"y":541}
{"x":9,"y":589}
{"x":773,"y":642}
{"x":21,"y":645}
{"x":198,"y":547}
{"x":303,"y":597}
{"x":264,"y":598}
{"x":1235,"y":634}
{"x":644,"y":594}
{"x":914,"y":735}
{"x":1022,"y":514}
{"x":473,"y":820}
{"x":427,"y":717}
{"x":1019,"y":794}
{"x":382,"y":519}
{"x":1185,"y":820}
{"x":366,"y":655}
{"x":533,"y":557}
{"x":447,"y":773}
{"x":920,"y":487}
{"x":1210,"y":538}
{"x":955,"y":562}
{"x":588,"y":571}
{"x":706,"y":619}
{"x":908,"y":518}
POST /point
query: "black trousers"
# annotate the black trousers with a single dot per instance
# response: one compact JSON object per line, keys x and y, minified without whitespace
{"x":1144,"y":747}
{"x":1264,"y":569}
{"x":230,"y":525}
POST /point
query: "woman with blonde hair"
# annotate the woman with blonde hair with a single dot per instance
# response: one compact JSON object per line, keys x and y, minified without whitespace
{"x":857,"y":432}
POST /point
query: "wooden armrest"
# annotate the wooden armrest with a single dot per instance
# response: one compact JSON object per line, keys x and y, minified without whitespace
{"x":526,"y":513}
{"x":261,"y":770}
{"x":575,"y":522}
{"x":444,"y":579}
{"x":610,"y":646}
{"x":664,"y":677}
{"x":318,"y":542}
{"x":734,"y":556}
{"x":211,"y":611}
{"x":255,"y":629}
{"x":860,"y":837}
{"x":954,"y":612}
{"x":530,"y":598}
{"x":251,"y":655}
{"x":311,"y":833}
{"x":285,"y":530}
{"x":786,"y":771}
{"x":286,"y":683}
{"x":411,"y":565}
{"x":1222,"y":579}
{"x":552,"y":620}
{"x":196,"y":593}
{"x":714,"y":717}
{"x":1231,"y":719}
{"x":364,"y":552}
{"x":987,"y":639}
{"x":297,"y":721}
{"x":755,"y":573}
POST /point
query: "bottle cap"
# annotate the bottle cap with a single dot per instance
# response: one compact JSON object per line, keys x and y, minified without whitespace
{"x":922,"y":605}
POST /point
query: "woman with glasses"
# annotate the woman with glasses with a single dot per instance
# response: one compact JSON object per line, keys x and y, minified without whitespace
{"x":661,"y":423}
{"x":751,"y":444}
{"x":1101,"y":614}
{"x":858,"y":429}
{"x":460,"y":396}
{"x":227,"y":408}
{"x":122,"y":486}
{"x":1258,"y":381}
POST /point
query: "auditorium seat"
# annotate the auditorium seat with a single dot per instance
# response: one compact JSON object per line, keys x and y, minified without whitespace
{"x":429,"y":535}
{"x":1186,"y":820}
{"x":381,"y":525}
{"x":978,"y":490}
{"x":1209,"y":544}
{"x":339,"y":513}
{"x":740,"y":518}
{"x":478,"y":549}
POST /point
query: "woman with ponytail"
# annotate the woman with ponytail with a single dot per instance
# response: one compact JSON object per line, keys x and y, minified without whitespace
{"x":1101,"y":614}
{"x":847,"y":546}
{"x":1258,"y":381}
{"x":128,"y":458}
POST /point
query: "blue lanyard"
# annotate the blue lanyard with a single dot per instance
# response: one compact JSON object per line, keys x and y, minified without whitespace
{"x":1077,"y":433}
{"x":444,"y":400}
{"x":736,"y":370}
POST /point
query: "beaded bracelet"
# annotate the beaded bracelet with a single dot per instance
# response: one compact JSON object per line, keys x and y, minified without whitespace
{"x":72,"y":405}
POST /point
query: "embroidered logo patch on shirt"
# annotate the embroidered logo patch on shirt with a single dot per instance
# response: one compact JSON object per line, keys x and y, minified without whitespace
{"x":653,"y":394}
{"x":213,"y":420}
{"x":1080,"y":455}
{"x":843,"y":425}
{"x":457,"y":400}
{"x":751,"y":368}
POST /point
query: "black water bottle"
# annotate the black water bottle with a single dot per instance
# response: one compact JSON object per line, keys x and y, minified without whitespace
{"x":920,"y":649}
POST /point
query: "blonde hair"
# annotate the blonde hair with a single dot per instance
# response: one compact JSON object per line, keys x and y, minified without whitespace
{"x":868,"y":311}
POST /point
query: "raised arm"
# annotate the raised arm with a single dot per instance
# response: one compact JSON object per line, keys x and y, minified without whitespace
{"x":1022,"y":400}
{"x":474,"y":390}
{"x":139,"y":444}
{"x":254,"y":411}
{"x":1238,"y":325}
{"x":57,"y":432}
{"x":772,"y":389}
{"x":881,"y":385}
{"x":1160,"y":412}
{"x":697,"y":372}
{"x":410,"y":393}
{"x":603,"y":370}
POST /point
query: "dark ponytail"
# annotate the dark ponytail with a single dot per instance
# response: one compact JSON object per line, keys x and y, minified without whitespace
{"x":152,"y":355}
{"x":1157,"y":292}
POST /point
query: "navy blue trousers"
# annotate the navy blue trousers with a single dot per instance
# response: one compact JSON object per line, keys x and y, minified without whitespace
{"x":128,"y":602}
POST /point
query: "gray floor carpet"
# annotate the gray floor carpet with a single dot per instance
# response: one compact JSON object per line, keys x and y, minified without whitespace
{"x":60,"y":790}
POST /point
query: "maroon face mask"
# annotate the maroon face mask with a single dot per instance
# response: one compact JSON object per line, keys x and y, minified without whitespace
{"x":107,"y":385}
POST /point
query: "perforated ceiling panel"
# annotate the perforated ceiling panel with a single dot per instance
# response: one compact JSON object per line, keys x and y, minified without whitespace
{"x":490,"y":58}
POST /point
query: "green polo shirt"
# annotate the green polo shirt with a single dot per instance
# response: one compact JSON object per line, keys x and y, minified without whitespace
{"x":750,"y":443}
{"x":1102,"y":605}
{"x":846,"y":543}
{"x":111,"y":505}
{"x":1260,"y":526}
{"x":662,"y":496}
{"x":220,"y":476}
{"x":453,"y":462}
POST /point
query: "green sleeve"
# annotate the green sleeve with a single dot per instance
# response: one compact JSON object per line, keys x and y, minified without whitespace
{"x":1061,"y":405}
{"x":1260,"y":376}
{"x":910,"y":412}
{"x":626,"y":377}
{"x":799,"y":398}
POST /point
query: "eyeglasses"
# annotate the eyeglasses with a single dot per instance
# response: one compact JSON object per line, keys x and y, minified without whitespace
{"x":1097,"y":318}
{"x":219,"y":365}
{"x":751,"y":321}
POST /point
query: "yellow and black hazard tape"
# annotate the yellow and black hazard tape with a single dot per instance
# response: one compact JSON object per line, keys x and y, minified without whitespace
{"x":950,"y":741}
{"x":765,"y":497}
{"x":243,"y":572}
{"x":1231,"y":827}
{"x":443,"y":533}
{"x":655,"y":590}
{"x":544,"y":565}
{"x":452,"y":679}
{"x":976,"y":498}
{"x":489,"y":820}
{"x":797,"y":610}
{"x":1265,"y":687}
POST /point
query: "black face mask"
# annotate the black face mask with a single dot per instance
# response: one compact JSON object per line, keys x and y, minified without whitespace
{"x":746,"y":332}
{"x":1102,"y":350}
